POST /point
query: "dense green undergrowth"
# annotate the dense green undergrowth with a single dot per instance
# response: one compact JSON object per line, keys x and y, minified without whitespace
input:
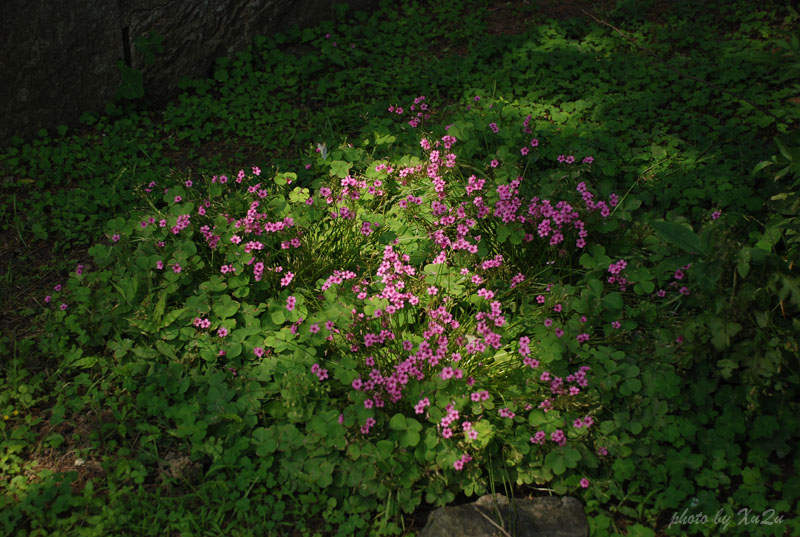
{"x":317,"y":302}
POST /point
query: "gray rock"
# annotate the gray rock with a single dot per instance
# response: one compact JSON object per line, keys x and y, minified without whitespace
{"x":495,"y":516}
{"x":60,"y":58}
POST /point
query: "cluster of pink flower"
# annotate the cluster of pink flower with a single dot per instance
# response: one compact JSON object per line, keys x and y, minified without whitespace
{"x":435,"y":162}
{"x":469,"y":431}
{"x":524,"y":348}
{"x":481,"y":395}
{"x":679,"y":275}
{"x":459,"y":464}
{"x":181,"y":224}
{"x":559,"y":216}
{"x":419,"y":408}
{"x":258,"y":271}
{"x":293,"y":243}
{"x":337,"y":278}
{"x":321,"y":373}
{"x":539,"y":437}
{"x":451,"y":372}
{"x":208,"y":234}
{"x":508,"y":203}
{"x":616,"y":274}
{"x":558,"y":437}
{"x":586,"y":422}
{"x":368,"y":424}
{"x":411,"y":170}
{"x":367,"y":227}
{"x":591,"y":205}
{"x":526,"y":125}
{"x":490,"y":338}
{"x":505,"y":412}
{"x":451,"y":416}
{"x":516,"y":280}
{"x":420,"y":107}
{"x":474,"y":184}
{"x":287,"y":279}
{"x":378,"y":339}
{"x":201,"y":323}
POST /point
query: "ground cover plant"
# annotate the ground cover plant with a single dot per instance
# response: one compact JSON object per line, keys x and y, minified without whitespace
{"x":555,"y":261}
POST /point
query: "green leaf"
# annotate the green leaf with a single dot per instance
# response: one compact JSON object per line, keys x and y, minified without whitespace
{"x":84,"y":363}
{"x":278,"y":317}
{"x":233,"y":350}
{"x":644,"y":288}
{"x":172,"y":316}
{"x":409,"y":438}
{"x":503,"y":232}
{"x":385,"y":449}
{"x":398,"y":423}
{"x":166,"y":349}
{"x":413,"y":425}
{"x":265,"y":441}
{"x":681,"y":236}
{"x":340,"y":168}
{"x":556,"y":461}
{"x":596,"y":287}
{"x":613,"y":301}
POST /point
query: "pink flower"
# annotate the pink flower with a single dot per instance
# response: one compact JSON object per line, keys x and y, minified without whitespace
{"x":539,"y":437}
{"x":290,"y":302}
{"x":222,"y":332}
{"x":495,"y":163}
{"x":63,"y":306}
{"x":524,"y":151}
{"x":432,"y":290}
{"x":115,"y":237}
{"x":258,"y":351}
{"x":584,"y":483}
